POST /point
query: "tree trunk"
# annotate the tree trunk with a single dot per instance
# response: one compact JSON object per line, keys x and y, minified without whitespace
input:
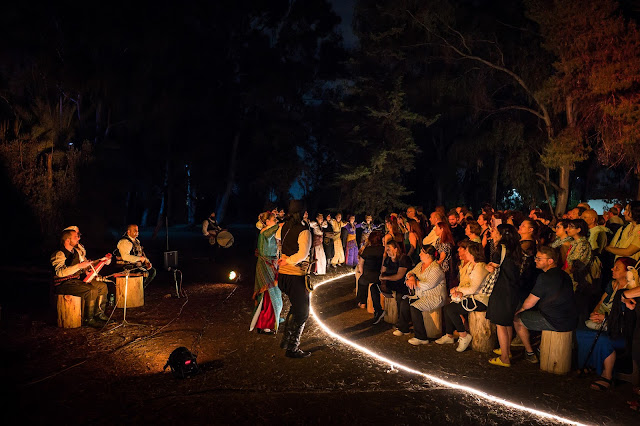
{"x":222,"y":207}
{"x":494,"y":181}
{"x":50,"y":170}
{"x":563,"y":194}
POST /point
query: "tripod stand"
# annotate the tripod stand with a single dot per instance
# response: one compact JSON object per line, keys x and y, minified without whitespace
{"x":124,"y":322}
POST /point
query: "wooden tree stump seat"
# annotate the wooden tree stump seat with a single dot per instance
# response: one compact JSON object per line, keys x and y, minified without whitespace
{"x":390,"y":309}
{"x":483,"y":332}
{"x":555,"y":351}
{"x":433,"y":323}
{"x":370,"y":302}
{"x":69,"y":310}
{"x":135,"y":291}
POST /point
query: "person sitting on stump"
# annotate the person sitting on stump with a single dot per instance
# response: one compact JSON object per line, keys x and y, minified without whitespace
{"x":131,"y":255}
{"x":69,"y":263}
{"x":553,"y":295}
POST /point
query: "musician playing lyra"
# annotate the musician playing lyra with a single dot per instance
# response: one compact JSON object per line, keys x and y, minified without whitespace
{"x":70,"y":266}
{"x":131,"y":255}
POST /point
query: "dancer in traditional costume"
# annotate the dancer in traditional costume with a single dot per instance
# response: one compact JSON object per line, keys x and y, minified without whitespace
{"x":296,"y":242}
{"x":352,"y":245}
{"x":338,"y":255}
{"x":317,"y":228}
{"x":267,"y":295}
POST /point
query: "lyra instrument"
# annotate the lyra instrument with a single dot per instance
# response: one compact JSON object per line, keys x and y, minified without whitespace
{"x":92,"y":270}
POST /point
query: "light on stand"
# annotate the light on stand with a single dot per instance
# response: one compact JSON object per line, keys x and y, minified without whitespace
{"x":234,"y":276}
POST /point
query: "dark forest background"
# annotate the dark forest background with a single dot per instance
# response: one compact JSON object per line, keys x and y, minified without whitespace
{"x":119,"y":112}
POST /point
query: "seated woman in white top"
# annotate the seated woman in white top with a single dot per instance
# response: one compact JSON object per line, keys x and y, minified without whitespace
{"x":428,"y":283}
{"x":466,"y":297}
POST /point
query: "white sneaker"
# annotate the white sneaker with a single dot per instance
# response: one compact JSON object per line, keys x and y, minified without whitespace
{"x":445,"y":339}
{"x":463,"y":342}
{"x":399,"y":333}
{"x":416,"y":342}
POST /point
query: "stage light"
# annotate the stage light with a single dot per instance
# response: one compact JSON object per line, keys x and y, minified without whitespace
{"x":397,"y":366}
{"x":233,"y":276}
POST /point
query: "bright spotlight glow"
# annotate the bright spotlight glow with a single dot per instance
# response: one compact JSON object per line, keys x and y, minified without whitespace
{"x":232,"y":275}
{"x":438,"y":380}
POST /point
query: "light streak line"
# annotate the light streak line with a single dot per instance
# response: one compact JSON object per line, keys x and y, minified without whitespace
{"x":438,"y":380}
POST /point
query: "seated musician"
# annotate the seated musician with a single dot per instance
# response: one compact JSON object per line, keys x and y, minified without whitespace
{"x":69,"y":264}
{"x":131,"y":255}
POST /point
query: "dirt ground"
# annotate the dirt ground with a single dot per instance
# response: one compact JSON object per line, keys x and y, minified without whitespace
{"x":86,"y":376}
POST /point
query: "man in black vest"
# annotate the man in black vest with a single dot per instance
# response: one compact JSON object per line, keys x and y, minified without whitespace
{"x":295,"y":239}
{"x":131,"y":255}
{"x":68,"y":264}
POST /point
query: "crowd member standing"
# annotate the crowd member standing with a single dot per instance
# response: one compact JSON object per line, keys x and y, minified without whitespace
{"x":434,"y":219}
{"x":528,"y":231}
{"x":318,"y":227}
{"x":266,"y":294}
{"x":504,"y":298}
{"x":457,"y":230}
{"x":295,"y":245}
{"x":626,"y":242}
{"x":369,"y":264}
{"x":563,"y":241}
{"x":444,"y":247}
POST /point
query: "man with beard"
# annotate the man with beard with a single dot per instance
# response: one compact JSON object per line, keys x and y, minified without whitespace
{"x":69,"y":264}
{"x":131,"y":255}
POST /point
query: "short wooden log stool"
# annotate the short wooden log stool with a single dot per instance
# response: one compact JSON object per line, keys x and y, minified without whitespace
{"x":69,"y":311}
{"x":135,"y":291}
{"x":484,"y":334}
{"x":555,"y":351}
{"x":390,"y":309}
{"x":433,"y":323}
{"x":370,"y":302}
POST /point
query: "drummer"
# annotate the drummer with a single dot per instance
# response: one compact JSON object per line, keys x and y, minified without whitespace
{"x":131,"y":255}
{"x":210,"y":230}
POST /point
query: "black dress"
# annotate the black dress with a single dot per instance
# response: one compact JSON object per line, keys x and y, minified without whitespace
{"x":503,"y":302}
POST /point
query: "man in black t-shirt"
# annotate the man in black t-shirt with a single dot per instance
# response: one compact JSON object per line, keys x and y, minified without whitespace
{"x":554,"y":297}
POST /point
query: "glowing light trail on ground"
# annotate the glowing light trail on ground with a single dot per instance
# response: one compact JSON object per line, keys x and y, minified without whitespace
{"x":452,"y":385}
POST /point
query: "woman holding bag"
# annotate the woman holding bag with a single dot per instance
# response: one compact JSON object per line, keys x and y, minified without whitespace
{"x":503,"y":302}
{"x":466,"y":296}
{"x":428,"y":282}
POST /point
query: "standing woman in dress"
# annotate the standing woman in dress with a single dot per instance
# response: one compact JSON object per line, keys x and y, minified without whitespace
{"x":503,"y":301}
{"x":352,"y":245}
{"x":444,"y":247}
{"x":267,"y":295}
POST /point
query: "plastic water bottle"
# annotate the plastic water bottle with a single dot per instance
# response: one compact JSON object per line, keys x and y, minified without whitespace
{"x":112,"y":299}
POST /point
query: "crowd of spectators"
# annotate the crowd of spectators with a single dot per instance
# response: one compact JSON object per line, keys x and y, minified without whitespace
{"x":576,"y":273}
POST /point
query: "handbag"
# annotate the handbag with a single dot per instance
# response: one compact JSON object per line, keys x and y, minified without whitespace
{"x":429,"y":300}
{"x":492,"y":278}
